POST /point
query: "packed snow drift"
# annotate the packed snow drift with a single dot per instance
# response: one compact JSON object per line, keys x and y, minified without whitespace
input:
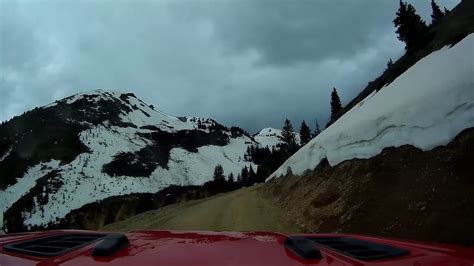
{"x":427,"y":106}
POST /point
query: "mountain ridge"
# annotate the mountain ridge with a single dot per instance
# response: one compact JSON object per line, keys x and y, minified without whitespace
{"x":102,"y":143}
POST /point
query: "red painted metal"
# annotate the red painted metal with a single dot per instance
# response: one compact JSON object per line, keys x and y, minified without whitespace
{"x":229,"y":248}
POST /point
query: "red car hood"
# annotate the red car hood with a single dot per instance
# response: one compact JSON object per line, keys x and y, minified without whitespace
{"x":227,"y":248}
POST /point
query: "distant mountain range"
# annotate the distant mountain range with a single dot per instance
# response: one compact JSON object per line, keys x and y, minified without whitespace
{"x":99,"y":144}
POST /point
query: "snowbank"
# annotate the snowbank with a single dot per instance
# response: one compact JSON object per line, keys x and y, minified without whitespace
{"x":427,"y":106}
{"x":270,"y":137}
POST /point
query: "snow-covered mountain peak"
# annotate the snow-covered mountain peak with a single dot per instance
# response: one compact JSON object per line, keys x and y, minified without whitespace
{"x":270,"y":137}
{"x":201,"y":122}
{"x":93,"y":96}
{"x":269,"y":131}
{"x":106,"y":94}
{"x":116,"y":108}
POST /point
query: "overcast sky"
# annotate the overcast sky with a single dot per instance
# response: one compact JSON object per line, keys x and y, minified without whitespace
{"x":249,"y":63}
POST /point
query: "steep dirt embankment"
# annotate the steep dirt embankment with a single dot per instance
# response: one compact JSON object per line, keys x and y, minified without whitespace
{"x":403,"y":192}
{"x":241,"y":210}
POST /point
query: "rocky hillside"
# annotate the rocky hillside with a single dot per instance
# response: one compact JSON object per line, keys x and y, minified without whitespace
{"x":402,"y":192}
{"x":100,"y":144}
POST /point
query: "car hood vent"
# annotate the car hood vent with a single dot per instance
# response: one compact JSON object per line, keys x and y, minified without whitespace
{"x":359,"y":249}
{"x":53,"y":245}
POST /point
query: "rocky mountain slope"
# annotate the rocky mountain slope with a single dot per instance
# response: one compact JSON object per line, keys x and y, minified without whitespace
{"x":99,"y":144}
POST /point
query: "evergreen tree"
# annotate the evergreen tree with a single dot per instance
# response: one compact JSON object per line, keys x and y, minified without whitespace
{"x":317,"y":129}
{"x":410,"y":26}
{"x":336,"y":105}
{"x":244,"y":175}
{"x":231,"y":177}
{"x":389,"y":63}
{"x":252,"y":176}
{"x":437,"y":13}
{"x":248,"y":155}
{"x":239,"y":178}
{"x":218,"y":173}
{"x":305,"y":134}
{"x":262,"y":174}
{"x":288,"y":137}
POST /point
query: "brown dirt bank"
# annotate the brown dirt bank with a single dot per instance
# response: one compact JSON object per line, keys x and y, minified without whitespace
{"x":403,"y":192}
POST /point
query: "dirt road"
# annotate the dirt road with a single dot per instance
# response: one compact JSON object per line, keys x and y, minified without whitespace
{"x":241,"y":210}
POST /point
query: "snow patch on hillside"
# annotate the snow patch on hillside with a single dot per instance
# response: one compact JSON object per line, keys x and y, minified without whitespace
{"x":143,"y":115}
{"x":269,"y":137}
{"x":10,"y":195}
{"x":96,"y":95}
{"x":84,"y":181}
{"x":6,"y":154}
{"x":426,"y":106}
{"x":200,"y":165}
{"x":140,"y":115}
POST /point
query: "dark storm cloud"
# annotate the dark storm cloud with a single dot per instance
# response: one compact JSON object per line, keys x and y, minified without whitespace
{"x":242,"y":62}
{"x":284,"y":32}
